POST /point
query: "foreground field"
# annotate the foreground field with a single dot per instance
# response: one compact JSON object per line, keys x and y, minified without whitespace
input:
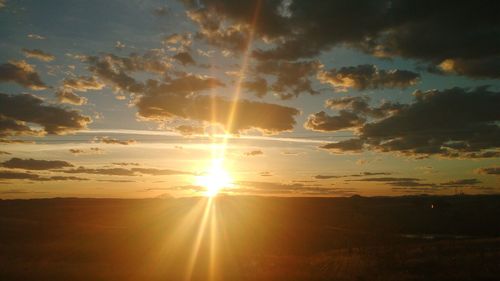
{"x":251,"y":238}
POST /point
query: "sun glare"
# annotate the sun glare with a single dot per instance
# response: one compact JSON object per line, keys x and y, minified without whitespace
{"x":214,"y":179}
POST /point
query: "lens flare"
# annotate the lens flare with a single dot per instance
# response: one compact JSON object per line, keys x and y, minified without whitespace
{"x":214,"y":179}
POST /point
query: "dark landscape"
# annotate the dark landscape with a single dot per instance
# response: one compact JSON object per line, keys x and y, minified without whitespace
{"x":252,"y":238}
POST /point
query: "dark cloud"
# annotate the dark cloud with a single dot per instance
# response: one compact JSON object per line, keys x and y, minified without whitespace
{"x":289,"y":188}
{"x":100,"y":171}
{"x":117,"y":70}
{"x":361,"y":106}
{"x":185,"y":58}
{"x":257,"y":86}
{"x":488,"y":171}
{"x":21,"y":73}
{"x":92,"y":150}
{"x":452,"y":123}
{"x":367,"y":76}
{"x":158,"y":172}
{"x":461,"y":183}
{"x":325,"y":177}
{"x":176,"y":100}
{"x":350,"y":145}
{"x":426,"y":31}
{"x":230,"y":37}
{"x":353,"y":112}
{"x":17,"y":110}
{"x":11,"y":127}
{"x":108,"y":140}
{"x":15,"y":175}
{"x":14,"y":141}
{"x":188,"y":130}
{"x":66,"y":96}
{"x":4,"y":153}
{"x":82,"y":83}
{"x":33,"y":164}
{"x":396,"y":181}
{"x":38,"y":54}
{"x":474,"y":67}
{"x":292,"y":78}
{"x":254,"y":153}
{"x":124,"y":171}
{"x":126,"y":164}
{"x":323,"y":122}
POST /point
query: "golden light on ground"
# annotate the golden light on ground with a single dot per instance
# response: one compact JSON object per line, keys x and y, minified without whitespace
{"x":214,"y":179}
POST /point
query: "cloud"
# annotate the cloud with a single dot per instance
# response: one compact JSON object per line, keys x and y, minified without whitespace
{"x":100,"y":171}
{"x":17,"y":110}
{"x":323,"y":122}
{"x":360,"y":106}
{"x":117,"y":70}
{"x":13,"y":141}
{"x":66,"y":96}
{"x":325,"y":177}
{"x":35,"y":36}
{"x":126,"y":164}
{"x":82,"y":83}
{"x":21,"y":73}
{"x":92,"y":150}
{"x":461,"y":183}
{"x":350,"y":145}
{"x":426,"y":32}
{"x":185,"y":58}
{"x":234,"y":38}
{"x":184,"y":40}
{"x":33,"y":164}
{"x":158,"y":172}
{"x":177,"y":100}
{"x":396,"y":181}
{"x":473,"y":67}
{"x":12,"y":175}
{"x":119,"y":45}
{"x":254,"y":153}
{"x":292,"y":78}
{"x":15,"y":175}
{"x":258,"y":86}
{"x":108,"y":140}
{"x":11,"y":127}
{"x":257,"y":187}
{"x":488,"y":171}
{"x":188,"y":130}
{"x":452,"y":123}
{"x":353,"y":112}
{"x":38,"y":54}
{"x":4,"y":153}
{"x":124,"y":171}
{"x":367,"y":76}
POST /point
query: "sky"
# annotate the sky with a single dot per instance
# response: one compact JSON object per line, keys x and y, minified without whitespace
{"x":142,"y":99}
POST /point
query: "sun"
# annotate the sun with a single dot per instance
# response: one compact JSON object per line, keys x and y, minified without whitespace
{"x":214,"y":179}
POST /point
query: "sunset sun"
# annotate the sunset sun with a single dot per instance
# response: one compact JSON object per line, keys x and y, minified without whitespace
{"x":214,"y":179}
